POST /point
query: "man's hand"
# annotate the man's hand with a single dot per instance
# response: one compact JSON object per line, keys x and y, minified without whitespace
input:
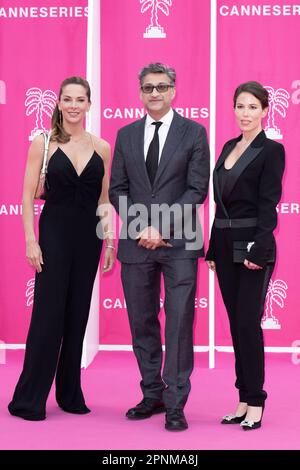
{"x":211,"y":265}
{"x":151,"y":239}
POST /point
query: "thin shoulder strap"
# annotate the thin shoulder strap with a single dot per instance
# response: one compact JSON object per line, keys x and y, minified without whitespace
{"x":92,"y":140}
{"x":46,"y":150}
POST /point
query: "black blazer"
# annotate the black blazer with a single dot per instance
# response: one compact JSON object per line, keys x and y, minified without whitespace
{"x":182,"y":178}
{"x":252,"y":189}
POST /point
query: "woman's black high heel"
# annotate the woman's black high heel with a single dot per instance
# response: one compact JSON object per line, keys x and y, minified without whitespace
{"x":248,"y":425}
{"x":232,"y":419}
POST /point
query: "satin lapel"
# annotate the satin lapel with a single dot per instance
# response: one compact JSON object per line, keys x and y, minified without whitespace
{"x":218,"y":196}
{"x":174,"y":137}
{"x":228,"y":148}
{"x":246,"y":158}
{"x":138,"y":150}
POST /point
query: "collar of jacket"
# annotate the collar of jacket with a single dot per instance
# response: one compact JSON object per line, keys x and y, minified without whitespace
{"x":174,"y":137}
{"x":251,"y":152}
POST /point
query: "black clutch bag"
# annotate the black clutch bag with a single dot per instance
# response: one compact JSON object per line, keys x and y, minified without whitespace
{"x":242,"y":248}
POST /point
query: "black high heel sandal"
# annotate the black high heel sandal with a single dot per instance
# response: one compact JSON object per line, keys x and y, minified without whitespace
{"x":248,"y":425}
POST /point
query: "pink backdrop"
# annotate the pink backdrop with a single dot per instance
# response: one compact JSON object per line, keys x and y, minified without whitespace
{"x":42,"y":45}
{"x":124,"y":52}
{"x":36,"y":52}
{"x":264,"y":48}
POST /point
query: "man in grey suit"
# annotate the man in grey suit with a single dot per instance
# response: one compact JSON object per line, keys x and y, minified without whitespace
{"x":159,"y":177}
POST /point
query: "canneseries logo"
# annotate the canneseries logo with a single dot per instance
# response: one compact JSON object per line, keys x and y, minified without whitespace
{"x":276,"y":294}
{"x":278,"y":103}
{"x":39,"y":103}
{"x":58,"y":11}
{"x":118,"y":303}
{"x":155,"y":7}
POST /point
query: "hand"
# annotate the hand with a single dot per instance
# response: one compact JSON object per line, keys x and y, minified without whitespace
{"x":34,"y":255}
{"x":109,"y":259}
{"x":211,"y":265}
{"x":151,"y":239}
{"x":250,"y":265}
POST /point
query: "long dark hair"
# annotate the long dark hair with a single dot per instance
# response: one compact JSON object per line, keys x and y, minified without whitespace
{"x":58,"y":133}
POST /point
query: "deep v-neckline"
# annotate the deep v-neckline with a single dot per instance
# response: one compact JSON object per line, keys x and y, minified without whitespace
{"x":228,"y":169}
{"x":72,"y":165}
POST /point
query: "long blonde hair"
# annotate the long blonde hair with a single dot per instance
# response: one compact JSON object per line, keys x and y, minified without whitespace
{"x":58,"y":133}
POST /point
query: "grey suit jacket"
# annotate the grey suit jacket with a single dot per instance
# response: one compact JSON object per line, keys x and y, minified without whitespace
{"x":182,"y":179}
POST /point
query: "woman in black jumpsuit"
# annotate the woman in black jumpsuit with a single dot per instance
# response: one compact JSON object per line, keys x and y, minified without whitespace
{"x":66,"y":258}
{"x":247,"y":186}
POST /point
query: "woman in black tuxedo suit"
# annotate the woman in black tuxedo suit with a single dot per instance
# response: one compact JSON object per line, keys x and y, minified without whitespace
{"x":247,"y":186}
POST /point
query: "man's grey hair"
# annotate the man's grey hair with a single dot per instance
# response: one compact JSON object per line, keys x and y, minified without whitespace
{"x":157,"y":67}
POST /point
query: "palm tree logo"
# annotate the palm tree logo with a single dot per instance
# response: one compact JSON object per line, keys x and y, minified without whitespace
{"x":154,"y":30}
{"x":276,"y":293}
{"x":29,"y":292}
{"x":278,"y":101}
{"x":40,"y":102}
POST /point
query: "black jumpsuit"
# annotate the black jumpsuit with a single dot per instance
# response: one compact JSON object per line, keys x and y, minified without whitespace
{"x":71,"y":252}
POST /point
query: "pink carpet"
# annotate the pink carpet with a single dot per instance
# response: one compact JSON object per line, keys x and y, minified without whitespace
{"x":111,"y":386}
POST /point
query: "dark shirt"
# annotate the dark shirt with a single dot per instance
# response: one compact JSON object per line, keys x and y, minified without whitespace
{"x":223,"y":174}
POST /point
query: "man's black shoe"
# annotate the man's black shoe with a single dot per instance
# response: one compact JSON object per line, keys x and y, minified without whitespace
{"x":175,"y":420}
{"x":145,"y":409}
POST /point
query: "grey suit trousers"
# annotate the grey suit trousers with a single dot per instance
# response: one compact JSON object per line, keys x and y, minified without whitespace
{"x":141,"y":284}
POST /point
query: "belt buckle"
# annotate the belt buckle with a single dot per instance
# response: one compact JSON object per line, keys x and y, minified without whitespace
{"x":229,"y":223}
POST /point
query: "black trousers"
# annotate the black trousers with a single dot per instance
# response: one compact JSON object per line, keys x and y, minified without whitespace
{"x":244,"y":292}
{"x":141,"y":284}
{"x":62,"y":297}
